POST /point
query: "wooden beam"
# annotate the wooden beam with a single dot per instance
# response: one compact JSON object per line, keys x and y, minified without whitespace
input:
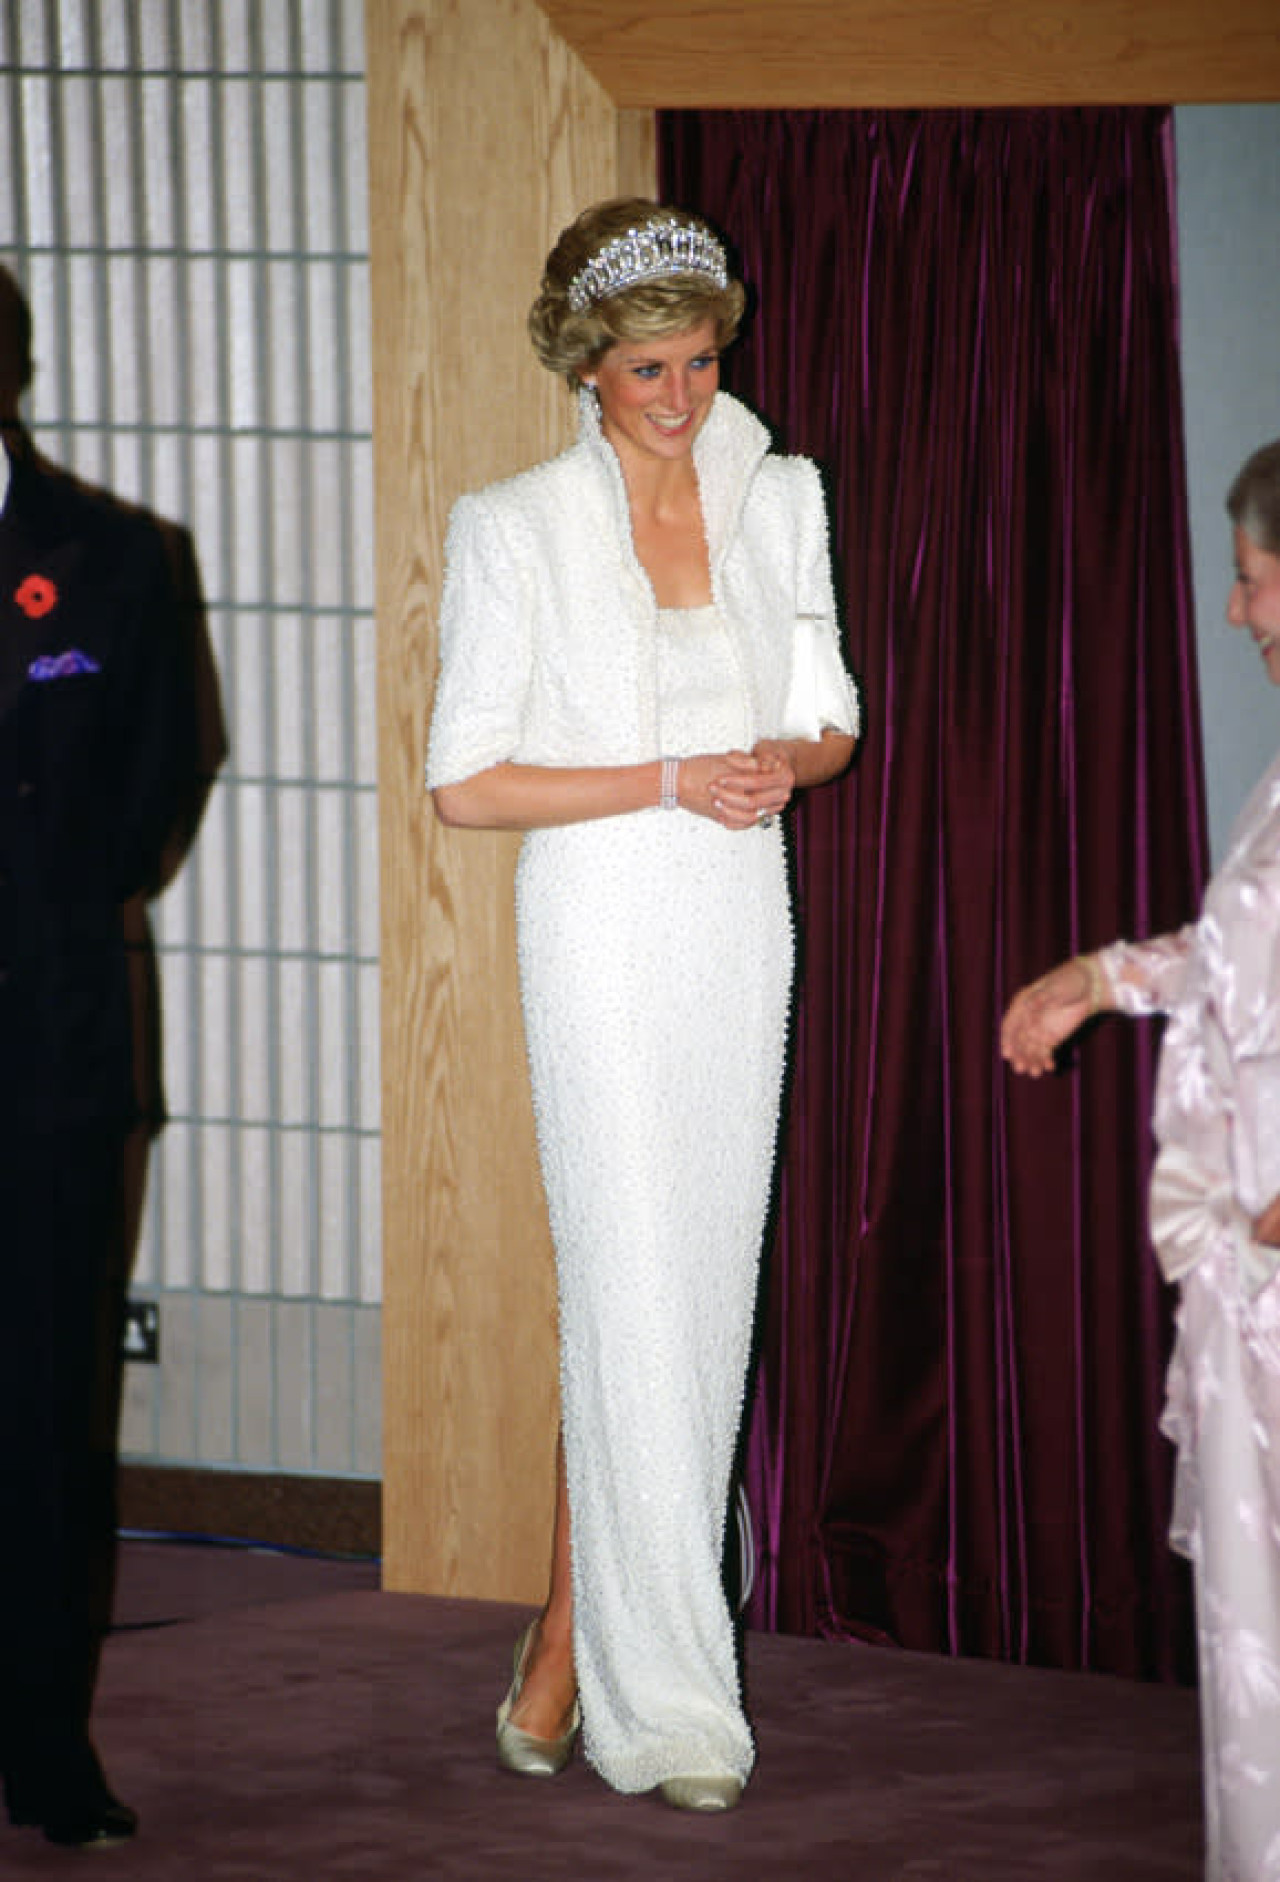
{"x":708,"y":54}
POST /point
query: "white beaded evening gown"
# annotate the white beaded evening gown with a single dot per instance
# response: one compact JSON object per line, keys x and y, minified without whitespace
{"x":656,"y":961}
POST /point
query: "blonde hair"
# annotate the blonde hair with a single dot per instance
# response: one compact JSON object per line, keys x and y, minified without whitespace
{"x":572,"y":342}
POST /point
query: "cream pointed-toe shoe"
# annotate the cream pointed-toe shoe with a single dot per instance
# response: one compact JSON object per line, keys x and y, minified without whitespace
{"x":701,"y":1792}
{"x":520,"y":1751}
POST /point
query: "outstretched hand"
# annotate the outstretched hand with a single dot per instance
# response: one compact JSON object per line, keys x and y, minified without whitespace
{"x":1048,"y":1011}
{"x":1266,"y":1228}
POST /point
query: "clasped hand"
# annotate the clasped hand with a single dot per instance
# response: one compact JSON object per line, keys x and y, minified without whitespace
{"x":737,"y":788}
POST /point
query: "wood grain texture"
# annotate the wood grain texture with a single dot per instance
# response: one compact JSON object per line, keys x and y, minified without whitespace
{"x":684,"y":54}
{"x":637,"y":153}
{"x":486,"y":135}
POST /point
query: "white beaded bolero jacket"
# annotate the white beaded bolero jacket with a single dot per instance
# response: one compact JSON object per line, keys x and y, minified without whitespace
{"x":548,"y":628}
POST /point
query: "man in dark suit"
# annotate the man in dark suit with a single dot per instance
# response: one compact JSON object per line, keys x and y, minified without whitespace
{"x":96,"y":764}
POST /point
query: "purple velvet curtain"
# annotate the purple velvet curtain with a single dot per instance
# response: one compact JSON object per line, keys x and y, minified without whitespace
{"x":969,"y":319}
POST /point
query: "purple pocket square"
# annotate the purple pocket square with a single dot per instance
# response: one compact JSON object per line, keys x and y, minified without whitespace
{"x":62,"y":666}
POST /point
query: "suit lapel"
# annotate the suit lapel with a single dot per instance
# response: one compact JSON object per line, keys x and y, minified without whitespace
{"x":38,"y":566}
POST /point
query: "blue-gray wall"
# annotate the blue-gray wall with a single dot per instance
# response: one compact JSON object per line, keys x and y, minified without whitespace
{"x":1229,"y":255}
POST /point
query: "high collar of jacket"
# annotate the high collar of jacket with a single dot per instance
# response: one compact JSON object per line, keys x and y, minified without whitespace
{"x":727,"y":453}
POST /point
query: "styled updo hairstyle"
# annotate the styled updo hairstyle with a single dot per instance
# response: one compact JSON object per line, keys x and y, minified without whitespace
{"x":572,"y":341}
{"x":1253,"y":501}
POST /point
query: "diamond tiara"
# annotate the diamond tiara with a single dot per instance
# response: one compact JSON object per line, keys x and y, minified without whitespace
{"x":652,"y":253}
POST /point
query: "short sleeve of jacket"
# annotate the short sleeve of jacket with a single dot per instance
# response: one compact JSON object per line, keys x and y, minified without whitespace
{"x":485,"y":645}
{"x":821,"y":694}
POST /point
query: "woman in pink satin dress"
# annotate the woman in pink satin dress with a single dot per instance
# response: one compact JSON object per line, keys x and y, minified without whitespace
{"x":1215,"y":1222}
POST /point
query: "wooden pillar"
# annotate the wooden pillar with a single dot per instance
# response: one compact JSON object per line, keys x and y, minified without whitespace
{"x":485,"y":136}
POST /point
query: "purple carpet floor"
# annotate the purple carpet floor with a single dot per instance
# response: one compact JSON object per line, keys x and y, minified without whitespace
{"x":274,"y":1718}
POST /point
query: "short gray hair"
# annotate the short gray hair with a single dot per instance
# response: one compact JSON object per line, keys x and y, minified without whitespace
{"x":1253,"y":501}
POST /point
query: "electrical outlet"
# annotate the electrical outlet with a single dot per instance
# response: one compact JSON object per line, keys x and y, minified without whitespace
{"x":142,"y":1332}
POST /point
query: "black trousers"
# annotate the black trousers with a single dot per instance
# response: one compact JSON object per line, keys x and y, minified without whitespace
{"x":62,"y":1289}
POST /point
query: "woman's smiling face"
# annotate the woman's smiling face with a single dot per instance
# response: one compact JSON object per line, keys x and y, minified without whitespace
{"x":655,"y":394}
{"x":1255,"y":599}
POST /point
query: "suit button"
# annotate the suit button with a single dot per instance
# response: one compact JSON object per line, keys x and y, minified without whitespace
{"x":25,"y":787}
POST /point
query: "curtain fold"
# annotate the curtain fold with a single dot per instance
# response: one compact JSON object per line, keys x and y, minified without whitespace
{"x":969,"y":319}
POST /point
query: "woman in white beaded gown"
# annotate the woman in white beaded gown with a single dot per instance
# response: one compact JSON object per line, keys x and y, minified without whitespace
{"x":1215,"y":1222}
{"x":639,"y":666}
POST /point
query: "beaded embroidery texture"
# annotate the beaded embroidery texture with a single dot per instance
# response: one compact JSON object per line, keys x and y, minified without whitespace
{"x":655,"y":962}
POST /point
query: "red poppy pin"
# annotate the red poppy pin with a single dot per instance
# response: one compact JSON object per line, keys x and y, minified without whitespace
{"x":36,"y":596}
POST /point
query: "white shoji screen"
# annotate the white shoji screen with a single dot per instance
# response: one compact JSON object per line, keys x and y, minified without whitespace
{"x":182,"y":192}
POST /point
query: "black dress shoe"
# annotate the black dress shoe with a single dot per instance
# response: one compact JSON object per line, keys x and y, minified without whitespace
{"x":98,"y":1827}
{"x":85,"y":1826}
